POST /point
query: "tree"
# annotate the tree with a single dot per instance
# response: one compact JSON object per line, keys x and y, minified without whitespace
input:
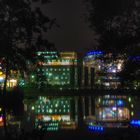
{"x":21,"y":26}
{"x":118,"y":24}
{"x":131,"y":73}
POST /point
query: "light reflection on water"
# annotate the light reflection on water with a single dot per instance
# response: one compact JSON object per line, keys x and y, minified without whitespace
{"x":73,"y":110}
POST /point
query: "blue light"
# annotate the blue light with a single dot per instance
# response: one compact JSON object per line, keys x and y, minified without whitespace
{"x":135,"y":123}
{"x":101,"y":128}
{"x":120,"y":103}
{"x":135,"y":58}
{"x":96,"y":128}
{"x":97,"y":52}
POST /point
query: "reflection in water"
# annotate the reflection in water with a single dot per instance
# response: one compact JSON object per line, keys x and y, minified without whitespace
{"x":54,"y":113}
{"x":113,"y":108}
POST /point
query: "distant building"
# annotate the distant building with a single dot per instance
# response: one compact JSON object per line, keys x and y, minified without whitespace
{"x":57,"y":69}
{"x":12,"y":79}
{"x":100,"y":70}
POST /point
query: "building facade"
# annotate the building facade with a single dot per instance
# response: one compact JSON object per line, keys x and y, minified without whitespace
{"x":56,"y":70}
{"x":100,"y":70}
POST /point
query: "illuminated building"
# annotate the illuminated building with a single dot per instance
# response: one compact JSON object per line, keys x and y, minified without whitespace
{"x":52,"y":114}
{"x":113,"y":108}
{"x":12,"y":79}
{"x":91,"y":63}
{"x":57,"y":70}
{"x":100,"y":70}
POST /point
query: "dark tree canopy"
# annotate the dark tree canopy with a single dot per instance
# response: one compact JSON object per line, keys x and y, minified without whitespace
{"x":118,"y":24}
{"x":21,"y":25}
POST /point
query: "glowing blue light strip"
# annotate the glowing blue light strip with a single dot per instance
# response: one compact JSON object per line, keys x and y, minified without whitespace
{"x":135,"y":122}
{"x":96,"y":128}
{"x":95,"y":53}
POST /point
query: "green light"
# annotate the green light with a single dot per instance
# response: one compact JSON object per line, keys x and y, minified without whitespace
{"x":50,"y":74}
{"x":50,"y":111}
{"x":33,"y":108}
{"x":129,"y":99}
{"x":99,"y":100}
{"x":32,"y":76}
{"x":56,"y":78}
{"x":132,"y":113}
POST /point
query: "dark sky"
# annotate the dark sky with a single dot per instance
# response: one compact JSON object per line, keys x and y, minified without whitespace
{"x":74,"y":33}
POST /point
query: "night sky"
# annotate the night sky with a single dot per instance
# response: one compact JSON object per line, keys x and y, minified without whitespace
{"x":74,"y":33}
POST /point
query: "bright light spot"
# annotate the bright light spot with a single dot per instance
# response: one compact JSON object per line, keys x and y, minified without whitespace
{"x":129,"y":99}
{"x":33,"y":76}
{"x":1,"y":119}
{"x":33,"y":108}
{"x":114,"y":70}
{"x":132,"y":105}
{"x":50,"y":111}
{"x":1,"y":79}
{"x":132,"y":113}
{"x":99,"y":100}
{"x":114,"y":108}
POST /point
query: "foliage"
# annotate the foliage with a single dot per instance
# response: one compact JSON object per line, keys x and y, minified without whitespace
{"x":131,"y":73}
{"x":21,"y":26}
{"x":117,"y":22}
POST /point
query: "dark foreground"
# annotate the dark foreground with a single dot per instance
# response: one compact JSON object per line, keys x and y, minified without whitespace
{"x":109,"y":134}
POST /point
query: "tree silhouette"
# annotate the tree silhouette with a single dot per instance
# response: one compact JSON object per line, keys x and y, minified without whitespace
{"x":118,"y":24}
{"x":20,"y":27}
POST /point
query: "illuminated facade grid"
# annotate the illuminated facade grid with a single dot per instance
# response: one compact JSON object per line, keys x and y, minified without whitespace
{"x":52,"y":114}
{"x":58,"y":69}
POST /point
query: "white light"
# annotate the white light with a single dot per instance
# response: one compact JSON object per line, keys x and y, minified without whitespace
{"x":1,"y":79}
{"x":114,"y":108}
{"x":13,"y":80}
{"x":46,"y":118}
{"x":114,"y":70}
{"x":119,"y":66}
{"x":65,"y":117}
